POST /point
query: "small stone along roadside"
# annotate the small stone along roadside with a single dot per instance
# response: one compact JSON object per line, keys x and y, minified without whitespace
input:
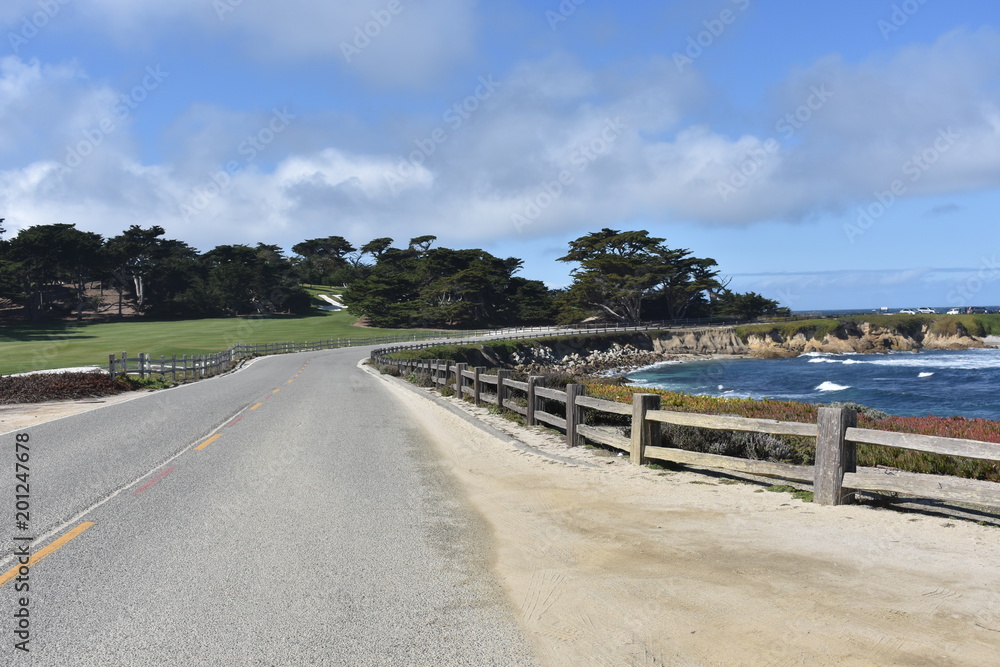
{"x":610,"y":563}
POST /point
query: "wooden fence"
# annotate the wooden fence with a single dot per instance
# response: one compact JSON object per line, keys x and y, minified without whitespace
{"x":199,"y":366}
{"x":835,"y":475}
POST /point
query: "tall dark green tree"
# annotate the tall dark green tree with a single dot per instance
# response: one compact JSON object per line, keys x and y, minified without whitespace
{"x":175,"y":283}
{"x":240,"y":280}
{"x":465,"y":287}
{"x":618,"y":273}
{"x":747,"y":306}
{"x":530,"y":303}
{"x":441,"y":287}
{"x":376,"y":247}
{"x":9,"y":284}
{"x":45,"y":257}
{"x":322,"y":259}
{"x":130,"y":258}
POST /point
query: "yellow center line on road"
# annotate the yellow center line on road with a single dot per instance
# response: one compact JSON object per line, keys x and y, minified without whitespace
{"x":39,"y":555}
{"x":275,"y":391}
{"x":256,"y":406}
{"x":208,"y":442}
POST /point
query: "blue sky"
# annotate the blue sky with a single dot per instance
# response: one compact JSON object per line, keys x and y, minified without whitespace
{"x":827,"y":155}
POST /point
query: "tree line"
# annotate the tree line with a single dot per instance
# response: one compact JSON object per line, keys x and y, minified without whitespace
{"x":51,"y":270}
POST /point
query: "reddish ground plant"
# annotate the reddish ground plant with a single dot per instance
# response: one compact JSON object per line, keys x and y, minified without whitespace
{"x":59,"y":386}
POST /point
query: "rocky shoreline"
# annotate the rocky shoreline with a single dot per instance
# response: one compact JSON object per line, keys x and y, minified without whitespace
{"x":628,"y":352}
{"x":618,"y":359}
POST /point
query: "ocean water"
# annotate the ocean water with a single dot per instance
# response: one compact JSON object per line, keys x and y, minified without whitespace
{"x":942,"y":383}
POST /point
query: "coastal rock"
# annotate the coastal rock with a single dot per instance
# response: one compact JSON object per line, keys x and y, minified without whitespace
{"x":722,"y":340}
{"x":598,"y":354}
{"x":960,"y":339}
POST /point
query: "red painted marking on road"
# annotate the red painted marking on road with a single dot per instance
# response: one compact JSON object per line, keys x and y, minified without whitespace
{"x":233,"y":423}
{"x":153,"y":481}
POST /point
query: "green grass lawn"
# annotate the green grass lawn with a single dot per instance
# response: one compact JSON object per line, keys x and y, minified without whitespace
{"x":36,"y":347}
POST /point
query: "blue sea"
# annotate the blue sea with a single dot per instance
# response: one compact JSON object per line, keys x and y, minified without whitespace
{"x":942,"y":383}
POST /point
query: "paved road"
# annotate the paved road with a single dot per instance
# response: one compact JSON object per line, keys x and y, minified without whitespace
{"x":316,"y":529}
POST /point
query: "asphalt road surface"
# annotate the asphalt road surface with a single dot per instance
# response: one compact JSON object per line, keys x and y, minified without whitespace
{"x":285,"y":514}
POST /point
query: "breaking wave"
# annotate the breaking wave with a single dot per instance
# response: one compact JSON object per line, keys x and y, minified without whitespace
{"x":832,"y":386}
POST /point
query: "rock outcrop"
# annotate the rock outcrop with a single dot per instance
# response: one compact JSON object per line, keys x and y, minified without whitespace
{"x":587,"y":355}
{"x":859,"y":338}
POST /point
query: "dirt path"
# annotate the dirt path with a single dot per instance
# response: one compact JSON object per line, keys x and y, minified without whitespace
{"x":609,"y":564}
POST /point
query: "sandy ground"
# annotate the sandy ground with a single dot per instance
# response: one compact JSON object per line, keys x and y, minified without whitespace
{"x":613,"y":564}
{"x":22,"y":415}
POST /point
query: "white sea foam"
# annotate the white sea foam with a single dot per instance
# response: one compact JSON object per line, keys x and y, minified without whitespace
{"x":831,"y":386}
{"x":652,"y":367}
{"x":925,"y":375}
{"x":836,"y":360}
{"x":960,"y":360}
{"x":964,"y":360}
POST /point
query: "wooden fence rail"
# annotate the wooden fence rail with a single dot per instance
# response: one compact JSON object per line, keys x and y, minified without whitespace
{"x":204,"y":365}
{"x":835,"y":475}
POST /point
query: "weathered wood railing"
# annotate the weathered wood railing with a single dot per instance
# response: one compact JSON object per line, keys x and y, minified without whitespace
{"x":835,"y":476}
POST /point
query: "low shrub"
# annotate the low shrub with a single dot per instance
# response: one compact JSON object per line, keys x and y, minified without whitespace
{"x":420,"y":379}
{"x":150,"y":382}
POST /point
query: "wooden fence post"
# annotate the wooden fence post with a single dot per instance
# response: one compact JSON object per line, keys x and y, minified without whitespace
{"x":460,"y":380}
{"x":574,"y":414}
{"x":533,"y":400}
{"x":477,"y":385}
{"x":834,"y":456}
{"x":111,"y":365}
{"x":644,"y":431}
{"x":503,"y":391}
{"x":445,"y":377}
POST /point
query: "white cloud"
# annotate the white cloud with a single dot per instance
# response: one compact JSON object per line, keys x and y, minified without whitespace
{"x":544,"y":118}
{"x":400,"y":43}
